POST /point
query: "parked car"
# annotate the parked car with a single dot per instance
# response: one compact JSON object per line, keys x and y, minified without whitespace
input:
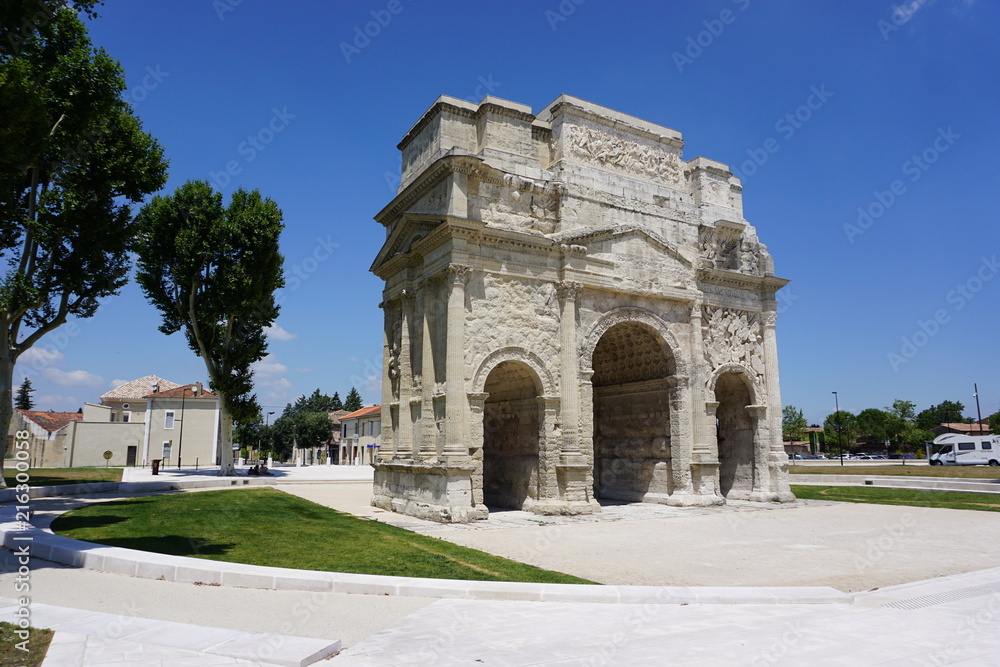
{"x":908,"y":457}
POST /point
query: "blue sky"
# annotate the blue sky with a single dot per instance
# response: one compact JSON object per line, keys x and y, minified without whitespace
{"x":866,"y":134}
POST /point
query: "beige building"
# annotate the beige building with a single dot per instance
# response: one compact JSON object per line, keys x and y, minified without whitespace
{"x":573,"y":312}
{"x":46,"y":435}
{"x":142,"y":420}
{"x":360,"y":436}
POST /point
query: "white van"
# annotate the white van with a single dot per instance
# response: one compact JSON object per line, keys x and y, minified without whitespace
{"x":966,"y":450}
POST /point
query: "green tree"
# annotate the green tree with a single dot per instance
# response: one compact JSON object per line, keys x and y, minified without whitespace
{"x":945,"y":412}
{"x":23,"y":20}
{"x":994,"y":422}
{"x":73,"y":162}
{"x":793,"y":424}
{"x":873,"y":426}
{"x":353,"y":401}
{"x":212,"y":271}
{"x":336,"y":403}
{"x":841,"y":430}
{"x":24,"y":392}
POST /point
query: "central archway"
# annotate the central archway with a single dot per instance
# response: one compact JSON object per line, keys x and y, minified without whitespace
{"x":735,"y":435}
{"x":511,"y":428}
{"x":631,"y":414}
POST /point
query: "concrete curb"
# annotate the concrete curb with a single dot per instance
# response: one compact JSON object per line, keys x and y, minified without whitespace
{"x":48,"y":546}
{"x":893,"y":481}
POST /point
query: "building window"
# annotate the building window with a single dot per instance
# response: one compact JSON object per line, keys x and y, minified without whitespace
{"x":166,"y":450}
{"x":168,"y":419}
{"x":126,"y":417}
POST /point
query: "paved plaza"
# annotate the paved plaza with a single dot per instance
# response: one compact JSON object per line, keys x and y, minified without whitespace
{"x":947,"y":614}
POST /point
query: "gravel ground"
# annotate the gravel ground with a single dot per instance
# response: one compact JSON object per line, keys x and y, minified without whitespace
{"x":851,"y":547}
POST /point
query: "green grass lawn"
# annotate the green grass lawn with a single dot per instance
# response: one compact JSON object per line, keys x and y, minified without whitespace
{"x":955,"y":500}
{"x":11,"y":656}
{"x":268,"y":527}
{"x":910,"y":469}
{"x":50,"y":476}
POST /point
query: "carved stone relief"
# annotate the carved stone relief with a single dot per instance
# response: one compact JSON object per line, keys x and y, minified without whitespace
{"x":732,"y":337}
{"x":608,"y":150}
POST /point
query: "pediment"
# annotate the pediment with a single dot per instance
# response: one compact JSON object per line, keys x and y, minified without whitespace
{"x":636,"y":240}
{"x":409,"y":230}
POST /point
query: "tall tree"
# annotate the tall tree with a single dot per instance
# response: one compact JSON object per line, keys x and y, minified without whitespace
{"x":23,"y":400}
{"x":353,"y":401}
{"x":212,"y":271}
{"x":840,"y":429}
{"x":874,"y":426}
{"x":793,"y":424}
{"x":945,"y":412}
{"x":73,"y":161}
{"x":335,"y":402}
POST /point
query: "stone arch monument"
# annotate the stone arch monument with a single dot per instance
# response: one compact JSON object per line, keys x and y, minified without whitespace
{"x":572,"y":312}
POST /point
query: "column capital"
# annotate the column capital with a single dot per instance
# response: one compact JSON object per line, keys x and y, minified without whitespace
{"x":458,"y":273}
{"x":568,"y":289}
{"x":757,"y":411}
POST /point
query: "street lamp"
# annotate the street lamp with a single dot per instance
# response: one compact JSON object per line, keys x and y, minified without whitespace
{"x":979,"y":415}
{"x":267,"y":419}
{"x":840,"y":428}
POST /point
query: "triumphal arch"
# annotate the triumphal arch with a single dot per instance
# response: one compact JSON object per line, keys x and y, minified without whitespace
{"x":573,"y":312}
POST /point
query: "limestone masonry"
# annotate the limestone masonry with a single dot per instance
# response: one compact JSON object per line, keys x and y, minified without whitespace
{"x":572,"y":313}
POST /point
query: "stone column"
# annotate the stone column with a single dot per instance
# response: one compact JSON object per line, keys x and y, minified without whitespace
{"x":681,"y":441}
{"x":388,"y":368}
{"x":777,"y":459}
{"x":548,"y":456}
{"x":428,"y":428}
{"x":761,"y":465}
{"x":456,"y":437}
{"x":406,"y":443}
{"x":587,"y":423}
{"x":705,"y":451}
{"x":477,"y":402}
{"x":569,"y":364}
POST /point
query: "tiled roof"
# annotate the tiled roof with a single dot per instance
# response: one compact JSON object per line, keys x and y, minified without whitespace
{"x":187,"y":391}
{"x":51,"y":421}
{"x":137,"y":389}
{"x":363,"y":412}
{"x":972,"y":429}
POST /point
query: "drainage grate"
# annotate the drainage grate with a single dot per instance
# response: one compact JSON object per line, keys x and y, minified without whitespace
{"x":949,"y":596}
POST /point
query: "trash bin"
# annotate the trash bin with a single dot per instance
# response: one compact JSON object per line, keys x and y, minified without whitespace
{"x":156,"y":466}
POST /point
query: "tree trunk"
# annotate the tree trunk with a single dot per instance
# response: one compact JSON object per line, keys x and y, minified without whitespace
{"x":226,"y":467}
{"x":6,"y":405}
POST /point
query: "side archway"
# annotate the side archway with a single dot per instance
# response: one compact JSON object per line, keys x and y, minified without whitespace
{"x":512,"y":429}
{"x":736,"y":432}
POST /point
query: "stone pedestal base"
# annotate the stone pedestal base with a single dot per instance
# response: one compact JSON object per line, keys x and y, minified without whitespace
{"x":434,"y":491}
{"x":694,"y":500}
